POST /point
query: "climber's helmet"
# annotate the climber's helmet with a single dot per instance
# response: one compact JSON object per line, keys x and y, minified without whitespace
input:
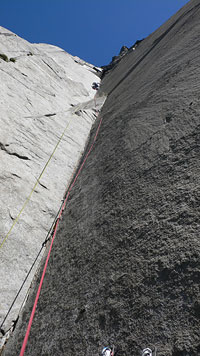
{"x":147,"y":352}
{"x":106,"y":351}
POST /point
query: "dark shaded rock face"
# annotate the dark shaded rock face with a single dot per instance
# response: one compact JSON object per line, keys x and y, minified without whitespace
{"x":125,"y":267}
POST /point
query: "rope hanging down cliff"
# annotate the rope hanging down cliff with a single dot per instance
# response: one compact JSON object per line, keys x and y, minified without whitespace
{"x":38,"y":180}
{"x":48,"y":236}
{"x":50,"y":248}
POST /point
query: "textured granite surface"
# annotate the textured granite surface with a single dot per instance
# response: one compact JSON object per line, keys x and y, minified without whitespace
{"x":125,"y":268}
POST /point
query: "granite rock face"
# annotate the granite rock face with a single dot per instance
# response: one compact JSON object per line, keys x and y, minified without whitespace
{"x":45,"y":93}
{"x":125,"y":267}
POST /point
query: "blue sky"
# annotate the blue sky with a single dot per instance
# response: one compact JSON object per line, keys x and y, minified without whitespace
{"x":94,"y":30}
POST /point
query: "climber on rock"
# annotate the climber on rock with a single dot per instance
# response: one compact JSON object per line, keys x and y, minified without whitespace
{"x":95,"y":86}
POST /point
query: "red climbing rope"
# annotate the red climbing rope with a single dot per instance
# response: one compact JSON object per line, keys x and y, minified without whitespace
{"x":54,"y":234}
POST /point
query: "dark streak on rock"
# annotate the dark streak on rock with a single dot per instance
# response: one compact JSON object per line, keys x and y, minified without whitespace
{"x":3,"y":148}
{"x":49,"y":115}
{"x":42,"y":185}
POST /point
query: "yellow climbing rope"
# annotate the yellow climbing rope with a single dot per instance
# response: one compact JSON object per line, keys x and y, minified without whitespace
{"x":37,"y":181}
